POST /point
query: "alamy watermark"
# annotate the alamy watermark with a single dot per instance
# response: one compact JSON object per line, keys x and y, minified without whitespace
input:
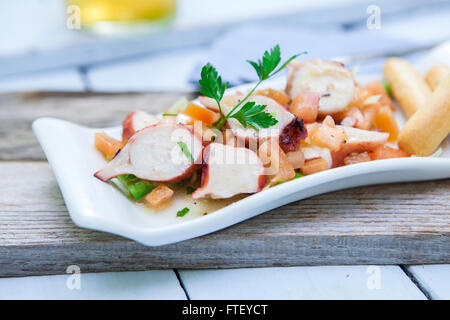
{"x":374,"y":19}
{"x":264,"y":142}
{"x":73,"y":282}
{"x":374,"y":280}
{"x":73,"y":21}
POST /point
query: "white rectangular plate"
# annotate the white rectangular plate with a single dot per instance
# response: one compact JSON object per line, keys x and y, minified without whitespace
{"x":97,"y":205}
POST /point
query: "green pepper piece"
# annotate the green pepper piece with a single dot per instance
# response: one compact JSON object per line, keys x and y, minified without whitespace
{"x":138,"y":188}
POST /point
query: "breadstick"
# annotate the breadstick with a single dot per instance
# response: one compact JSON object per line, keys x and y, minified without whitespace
{"x":426,"y":129}
{"x":408,"y":87}
{"x":436,"y":74}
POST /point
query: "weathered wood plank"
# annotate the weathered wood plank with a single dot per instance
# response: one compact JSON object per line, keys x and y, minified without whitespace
{"x":17,"y":112}
{"x":388,"y":224}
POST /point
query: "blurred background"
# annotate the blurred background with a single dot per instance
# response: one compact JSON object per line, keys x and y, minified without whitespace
{"x":160,"y":45}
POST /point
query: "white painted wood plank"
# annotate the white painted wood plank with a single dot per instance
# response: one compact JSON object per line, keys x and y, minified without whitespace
{"x":61,"y":80}
{"x":162,"y":72}
{"x":324,"y":282}
{"x":435,"y":279}
{"x":154,"y":284}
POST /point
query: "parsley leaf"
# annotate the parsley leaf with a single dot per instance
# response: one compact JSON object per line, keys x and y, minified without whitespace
{"x":252,"y":114}
{"x":211,"y":84}
{"x":265,"y":67}
{"x":269,"y":62}
{"x":183,"y":212}
{"x":185,"y":150}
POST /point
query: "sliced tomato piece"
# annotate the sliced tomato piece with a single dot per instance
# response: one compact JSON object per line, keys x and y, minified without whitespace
{"x":385,"y":152}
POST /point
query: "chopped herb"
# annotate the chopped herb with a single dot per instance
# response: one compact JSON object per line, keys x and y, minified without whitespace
{"x":387,"y":87}
{"x":170,"y":114}
{"x":185,"y":150}
{"x":183,"y":212}
{"x":138,"y":188}
{"x":253,"y":115}
{"x":190,"y":190}
{"x":297,"y":175}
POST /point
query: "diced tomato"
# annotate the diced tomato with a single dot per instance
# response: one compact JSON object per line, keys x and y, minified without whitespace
{"x":285,"y":170}
{"x":276,"y":162}
{"x":369,"y":114}
{"x":361,"y":94}
{"x":311,"y":128}
{"x":385,"y":121}
{"x":385,"y":152}
{"x":337,"y":116}
{"x":296,"y":158}
{"x":158,"y":196}
{"x":355,"y":116}
{"x":201,"y":114}
{"x":314,"y":166}
{"x":306,"y":107}
{"x":354,"y":158}
{"x":375,"y":87}
{"x":106,"y":145}
{"x":328,"y":135}
{"x":329,"y":122}
{"x":279,"y":96}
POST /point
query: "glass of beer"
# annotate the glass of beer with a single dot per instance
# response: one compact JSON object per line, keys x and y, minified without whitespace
{"x":113,"y":16}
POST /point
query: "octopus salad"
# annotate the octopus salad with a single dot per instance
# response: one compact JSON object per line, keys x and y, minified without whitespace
{"x":228,"y":144}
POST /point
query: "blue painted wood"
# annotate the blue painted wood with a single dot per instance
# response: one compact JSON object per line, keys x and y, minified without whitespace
{"x":100,"y":51}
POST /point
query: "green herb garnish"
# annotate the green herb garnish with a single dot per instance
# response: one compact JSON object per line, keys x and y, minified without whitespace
{"x":253,"y":115}
{"x":387,"y":87}
{"x":170,"y":114}
{"x":270,"y":60}
{"x":212,"y":86}
{"x":183,"y":212}
{"x":138,"y":188}
{"x":186,"y":151}
{"x":265,"y":68}
{"x":190,"y":190}
{"x":297,"y":175}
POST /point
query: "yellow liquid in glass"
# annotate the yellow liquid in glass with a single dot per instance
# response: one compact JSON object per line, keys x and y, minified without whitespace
{"x":124,"y":11}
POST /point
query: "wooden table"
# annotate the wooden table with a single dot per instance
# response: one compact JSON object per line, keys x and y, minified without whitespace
{"x":385,"y":224}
